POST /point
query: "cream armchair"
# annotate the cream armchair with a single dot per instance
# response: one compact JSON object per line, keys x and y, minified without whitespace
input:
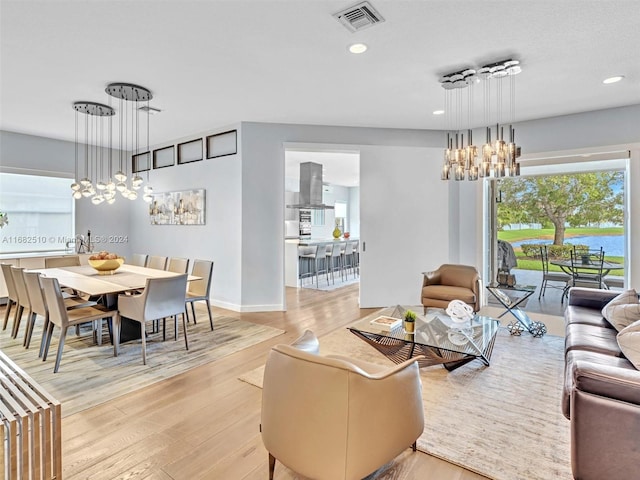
{"x":451,"y":282}
{"x":332,"y":418}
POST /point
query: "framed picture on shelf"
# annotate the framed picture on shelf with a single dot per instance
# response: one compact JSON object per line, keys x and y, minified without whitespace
{"x":163,"y":157}
{"x":184,"y":207}
{"x":190,"y":151}
{"x":141,"y":162}
{"x":222,"y":144}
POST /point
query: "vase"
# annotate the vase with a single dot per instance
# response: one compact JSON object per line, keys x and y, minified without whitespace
{"x":409,"y":327}
{"x":336,"y":233}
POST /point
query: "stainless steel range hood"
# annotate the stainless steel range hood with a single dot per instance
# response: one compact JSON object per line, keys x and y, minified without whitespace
{"x":311,"y":187}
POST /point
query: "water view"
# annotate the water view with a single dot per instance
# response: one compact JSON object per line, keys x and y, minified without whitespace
{"x":613,"y":245}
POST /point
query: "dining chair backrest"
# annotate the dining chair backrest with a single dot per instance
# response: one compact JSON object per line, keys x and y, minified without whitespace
{"x":178,"y":265}
{"x":587,"y":265}
{"x":8,"y":280}
{"x":204,"y":269}
{"x":138,"y":260}
{"x":159,"y":263}
{"x":36,"y":295}
{"x":544,"y":257}
{"x":21,"y":288}
{"x":66,"y":261}
{"x":164,"y":297}
{"x":55,"y":302}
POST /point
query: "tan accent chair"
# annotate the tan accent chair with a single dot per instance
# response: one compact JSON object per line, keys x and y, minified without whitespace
{"x":451,"y":282}
{"x":332,"y":417}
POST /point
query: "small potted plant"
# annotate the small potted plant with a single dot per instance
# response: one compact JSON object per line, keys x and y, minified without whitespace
{"x":409,"y":321}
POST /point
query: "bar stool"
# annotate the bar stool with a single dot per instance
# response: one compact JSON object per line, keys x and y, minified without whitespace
{"x":348,"y":259}
{"x":334,"y":261}
{"x":307,"y":263}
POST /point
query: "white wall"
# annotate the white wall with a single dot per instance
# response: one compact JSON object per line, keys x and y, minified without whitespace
{"x":354,"y":212}
{"x":220,"y":239}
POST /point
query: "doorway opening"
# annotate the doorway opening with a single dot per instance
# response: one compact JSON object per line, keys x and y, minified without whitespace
{"x":311,"y":231}
{"x":551,"y":212}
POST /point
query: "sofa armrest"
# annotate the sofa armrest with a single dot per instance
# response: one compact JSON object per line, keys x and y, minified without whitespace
{"x":607,"y":381}
{"x":591,"y":297}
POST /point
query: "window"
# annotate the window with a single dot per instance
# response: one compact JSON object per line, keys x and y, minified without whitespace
{"x":40,"y":210}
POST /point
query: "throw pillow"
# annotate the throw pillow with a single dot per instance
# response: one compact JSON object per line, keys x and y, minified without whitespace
{"x":623,"y":310}
{"x":629,"y":343}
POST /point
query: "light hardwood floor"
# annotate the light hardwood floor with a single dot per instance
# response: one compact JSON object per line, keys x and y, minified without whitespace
{"x":204,"y":424}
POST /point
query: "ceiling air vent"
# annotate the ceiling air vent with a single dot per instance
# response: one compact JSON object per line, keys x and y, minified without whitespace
{"x":358,"y":17}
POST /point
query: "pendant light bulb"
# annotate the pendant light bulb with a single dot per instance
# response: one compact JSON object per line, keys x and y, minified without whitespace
{"x":121,"y":186}
{"x":101,"y":185}
{"x":148,"y":189}
{"x":120,"y":176}
{"x":75,"y":186}
{"x":85,"y":182}
{"x":132,"y":195}
{"x":77,"y":194}
{"x":147,"y":197}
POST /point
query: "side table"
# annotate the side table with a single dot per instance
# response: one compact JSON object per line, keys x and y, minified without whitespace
{"x":511,"y":298}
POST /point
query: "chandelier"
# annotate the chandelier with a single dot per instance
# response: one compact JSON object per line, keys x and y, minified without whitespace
{"x":497,"y":157}
{"x":94,"y":151}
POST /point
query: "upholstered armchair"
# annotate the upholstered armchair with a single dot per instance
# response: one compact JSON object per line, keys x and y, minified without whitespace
{"x":451,"y":282}
{"x":333,"y":418}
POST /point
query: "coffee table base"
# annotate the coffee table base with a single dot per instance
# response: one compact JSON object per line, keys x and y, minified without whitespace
{"x":399,"y":351}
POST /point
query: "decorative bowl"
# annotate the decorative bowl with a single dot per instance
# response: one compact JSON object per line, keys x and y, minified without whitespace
{"x":107,"y":266}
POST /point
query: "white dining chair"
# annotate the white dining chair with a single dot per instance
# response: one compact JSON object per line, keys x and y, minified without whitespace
{"x":161,"y":298}
{"x":159,"y":263}
{"x":39,"y":307}
{"x":12,"y":294}
{"x":199,"y":290}
{"x":139,"y":260}
{"x":178,"y":265}
{"x":23,"y":299}
{"x":63,"y":318}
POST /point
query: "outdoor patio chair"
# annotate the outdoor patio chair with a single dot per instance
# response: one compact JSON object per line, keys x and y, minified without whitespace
{"x":555,"y":277}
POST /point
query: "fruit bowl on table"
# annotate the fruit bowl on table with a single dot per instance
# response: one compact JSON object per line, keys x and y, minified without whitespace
{"x":106,"y":266}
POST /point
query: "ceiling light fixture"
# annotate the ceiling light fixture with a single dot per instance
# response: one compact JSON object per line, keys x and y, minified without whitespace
{"x":358,"y":48}
{"x":610,"y":80}
{"x":438,"y":112}
{"x":497,"y":158}
{"x":99,"y":155}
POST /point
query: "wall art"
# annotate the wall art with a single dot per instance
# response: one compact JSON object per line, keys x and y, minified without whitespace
{"x":185,"y":207}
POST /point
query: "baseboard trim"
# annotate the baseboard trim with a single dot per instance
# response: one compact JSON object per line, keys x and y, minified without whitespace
{"x":247,"y":308}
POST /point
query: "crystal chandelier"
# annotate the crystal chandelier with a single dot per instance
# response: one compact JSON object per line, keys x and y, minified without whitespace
{"x":99,"y":182}
{"x":498,"y":157}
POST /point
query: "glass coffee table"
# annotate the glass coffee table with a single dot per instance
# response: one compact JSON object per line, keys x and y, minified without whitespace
{"x":437,"y":337}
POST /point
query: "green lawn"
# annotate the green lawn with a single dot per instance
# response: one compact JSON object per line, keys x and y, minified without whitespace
{"x":545,"y":233}
{"x":527,"y":263}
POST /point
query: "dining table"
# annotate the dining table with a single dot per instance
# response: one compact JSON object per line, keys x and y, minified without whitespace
{"x":567,"y":266}
{"x":105,"y":288}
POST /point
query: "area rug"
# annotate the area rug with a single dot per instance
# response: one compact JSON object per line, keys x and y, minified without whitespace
{"x":89,"y":374}
{"x":503,"y":421}
{"x":329,"y":286}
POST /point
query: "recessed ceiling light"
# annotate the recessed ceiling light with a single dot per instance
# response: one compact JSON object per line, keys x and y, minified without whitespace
{"x":438,"y":112}
{"x":615,"y":79}
{"x":358,"y":48}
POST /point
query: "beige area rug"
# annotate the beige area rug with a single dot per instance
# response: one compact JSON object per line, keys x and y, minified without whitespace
{"x":90,"y":375}
{"x":503,"y":421}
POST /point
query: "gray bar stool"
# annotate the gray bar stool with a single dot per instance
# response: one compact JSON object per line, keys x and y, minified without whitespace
{"x":307,"y":262}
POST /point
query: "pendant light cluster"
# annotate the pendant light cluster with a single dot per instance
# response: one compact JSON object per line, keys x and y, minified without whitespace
{"x":497,"y":157}
{"x":95,"y":153}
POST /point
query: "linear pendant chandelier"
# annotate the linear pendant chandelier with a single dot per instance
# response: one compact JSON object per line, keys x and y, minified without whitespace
{"x":497,"y":157}
{"x":95,"y":150}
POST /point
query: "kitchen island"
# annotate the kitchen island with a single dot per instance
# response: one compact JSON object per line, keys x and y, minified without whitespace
{"x":291,"y":255}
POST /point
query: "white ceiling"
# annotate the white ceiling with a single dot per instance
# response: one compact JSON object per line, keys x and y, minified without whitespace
{"x":213,"y":63}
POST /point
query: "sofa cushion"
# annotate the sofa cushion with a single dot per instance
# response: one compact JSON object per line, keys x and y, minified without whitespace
{"x":448,"y":292}
{"x":592,"y":339}
{"x":623,"y":310}
{"x":629,"y":342}
{"x":585,"y":315}
{"x":577,"y":357}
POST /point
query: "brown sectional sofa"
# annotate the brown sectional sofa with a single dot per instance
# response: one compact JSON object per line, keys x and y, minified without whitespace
{"x":601,"y":394}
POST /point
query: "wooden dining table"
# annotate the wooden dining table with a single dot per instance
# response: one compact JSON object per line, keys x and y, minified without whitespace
{"x":85,"y":279}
